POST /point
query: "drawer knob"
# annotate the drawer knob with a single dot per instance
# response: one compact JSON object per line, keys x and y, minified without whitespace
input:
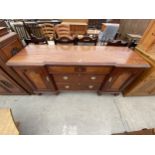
{"x":91,"y":86}
{"x":47,"y":78}
{"x":110,"y":79}
{"x":65,"y":77}
{"x":67,"y":86}
{"x":93,"y":78}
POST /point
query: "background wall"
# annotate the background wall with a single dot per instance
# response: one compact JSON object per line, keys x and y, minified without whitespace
{"x":135,"y":26}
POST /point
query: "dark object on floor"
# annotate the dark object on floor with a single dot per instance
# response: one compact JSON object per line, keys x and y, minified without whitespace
{"x":117,"y":43}
{"x":140,"y":132}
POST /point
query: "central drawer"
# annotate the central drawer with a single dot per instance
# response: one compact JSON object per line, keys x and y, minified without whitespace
{"x":78,"y":86}
{"x":82,"y":78}
{"x":79,"y":69}
{"x":78,"y":77}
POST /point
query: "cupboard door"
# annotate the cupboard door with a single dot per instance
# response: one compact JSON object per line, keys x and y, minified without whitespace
{"x":148,"y":38}
{"x":8,"y":85}
{"x":37,"y":79}
{"x":119,"y":79}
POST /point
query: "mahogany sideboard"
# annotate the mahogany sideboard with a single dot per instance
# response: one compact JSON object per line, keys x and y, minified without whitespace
{"x":53,"y":68}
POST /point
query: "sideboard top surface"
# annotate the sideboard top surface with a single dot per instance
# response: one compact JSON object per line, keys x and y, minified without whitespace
{"x":41,"y":55}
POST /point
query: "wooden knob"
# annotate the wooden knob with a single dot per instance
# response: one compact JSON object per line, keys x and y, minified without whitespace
{"x":90,"y":86}
{"x":93,"y":78}
{"x":67,"y":86}
{"x":65,"y":77}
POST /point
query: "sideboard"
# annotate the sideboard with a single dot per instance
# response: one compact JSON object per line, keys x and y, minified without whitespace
{"x":53,"y":68}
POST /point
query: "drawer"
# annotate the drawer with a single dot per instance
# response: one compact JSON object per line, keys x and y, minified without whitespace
{"x":60,"y":70}
{"x":91,"y":78}
{"x":66,"y":78}
{"x":77,"y":86}
{"x":11,"y":49}
{"x":79,"y":69}
{"x":78,"y":78}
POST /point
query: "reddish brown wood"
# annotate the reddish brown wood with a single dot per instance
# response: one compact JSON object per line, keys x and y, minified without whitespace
{"x":74,"y":68}
{"x":9,"y":46}
{"x":37,"y":79}
{"x":119,"y":78}
{"x":41,"y":55}
{"x":9,"y":86}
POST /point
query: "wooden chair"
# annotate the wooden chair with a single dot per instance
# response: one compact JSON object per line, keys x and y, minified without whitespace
{"x":63,"y":34}
{"x":87,"y":40}
{"x":117,"y":43}
{"x":65,"y":40}
{"x":47,"y":30}
{"x":63,"y":30}
{"x":33,"y":38}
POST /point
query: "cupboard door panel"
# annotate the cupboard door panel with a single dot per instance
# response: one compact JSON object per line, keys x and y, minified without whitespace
{"x":36,"y":78}
{"x":11,"y":86}
{"x":119,"y":79}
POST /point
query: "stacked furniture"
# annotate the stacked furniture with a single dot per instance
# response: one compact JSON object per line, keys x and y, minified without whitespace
{"x":77,"y":27}
{"x":52,"y":69}
{"x":145,"y":84}
{"x":10,"y":81}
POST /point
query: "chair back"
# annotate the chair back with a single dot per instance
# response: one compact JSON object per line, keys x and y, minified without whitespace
{"x":62,"y":30}
{"x":87,"y":40}
{"x":47,"y":30}
{"x":64,"y":40}
{"x":33,"y":38}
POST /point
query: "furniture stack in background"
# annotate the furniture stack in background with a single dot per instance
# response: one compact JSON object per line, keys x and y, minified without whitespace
{"x":145,"y":84}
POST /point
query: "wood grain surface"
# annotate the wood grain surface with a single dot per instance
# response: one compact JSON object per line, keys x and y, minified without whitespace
{"x":41,"y":55}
